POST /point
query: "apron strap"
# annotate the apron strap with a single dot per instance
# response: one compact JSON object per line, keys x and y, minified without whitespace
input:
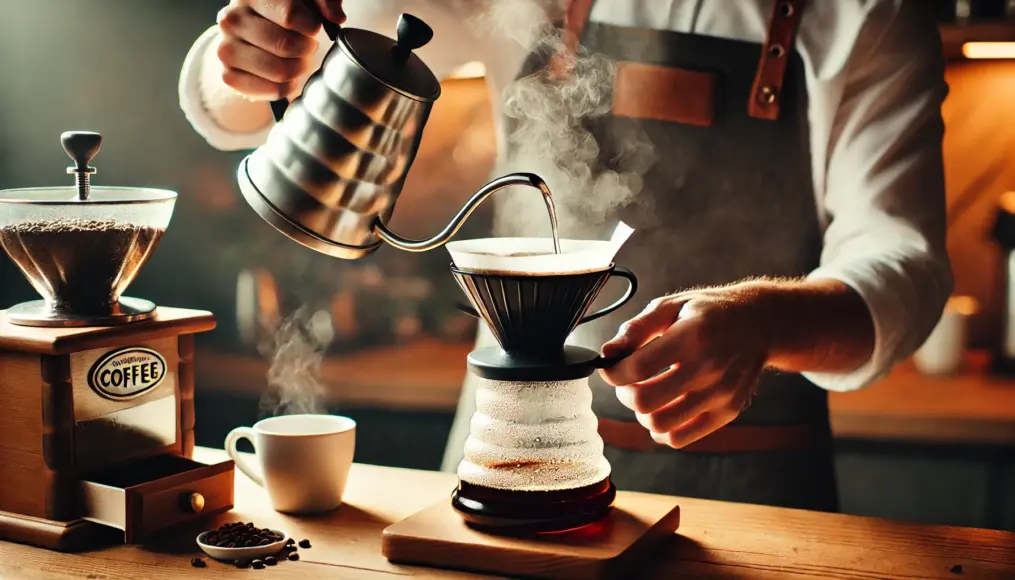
{"x":767,"y":88}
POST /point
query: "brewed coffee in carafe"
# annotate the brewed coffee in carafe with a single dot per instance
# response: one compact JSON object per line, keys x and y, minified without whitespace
{"x":533,"y":460}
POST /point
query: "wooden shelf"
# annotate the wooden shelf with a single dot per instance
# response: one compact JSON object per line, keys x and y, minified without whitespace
{"x":953,"y":36}
{"x":422,"y":375}
{"x":972,"y":407}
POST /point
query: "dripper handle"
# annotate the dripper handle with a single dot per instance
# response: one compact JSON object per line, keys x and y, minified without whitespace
{"x":331,"y":29}
{"x":632,"y":287}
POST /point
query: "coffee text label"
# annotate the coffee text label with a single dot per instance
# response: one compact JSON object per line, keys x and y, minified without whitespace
{"x":127,"y":373}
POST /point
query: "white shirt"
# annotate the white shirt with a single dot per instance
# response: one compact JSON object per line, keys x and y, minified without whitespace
{"x":875,"y":81}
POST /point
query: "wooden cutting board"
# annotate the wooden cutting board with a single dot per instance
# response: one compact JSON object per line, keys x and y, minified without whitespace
{"x":615,"y":547}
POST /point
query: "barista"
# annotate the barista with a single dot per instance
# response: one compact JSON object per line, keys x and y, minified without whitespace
{"x":799,"y":191}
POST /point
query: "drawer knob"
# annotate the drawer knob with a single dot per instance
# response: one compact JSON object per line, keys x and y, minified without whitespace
{"x":196,"y":502}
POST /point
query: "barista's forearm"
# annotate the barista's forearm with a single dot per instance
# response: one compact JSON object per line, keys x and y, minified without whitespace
{"x":231,"y":111}
{"x":818,"y":325}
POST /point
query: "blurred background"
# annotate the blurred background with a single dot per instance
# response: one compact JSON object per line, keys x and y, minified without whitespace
{"x":931,"y":445}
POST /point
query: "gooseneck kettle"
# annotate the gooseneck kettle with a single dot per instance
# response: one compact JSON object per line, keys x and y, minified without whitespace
{"x":331,"y":169}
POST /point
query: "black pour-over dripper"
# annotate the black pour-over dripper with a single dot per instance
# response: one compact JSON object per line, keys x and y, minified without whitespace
{"x":531,"y":316}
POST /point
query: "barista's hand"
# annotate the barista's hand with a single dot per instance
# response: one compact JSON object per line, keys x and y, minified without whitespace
{"x":711,"y":346}
{"x":267,"y":46}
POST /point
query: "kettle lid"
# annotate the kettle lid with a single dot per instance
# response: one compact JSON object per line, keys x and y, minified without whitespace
{"x":393,"y":62}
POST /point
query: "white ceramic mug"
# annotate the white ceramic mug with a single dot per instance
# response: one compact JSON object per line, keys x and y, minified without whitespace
{"x":304,"y":459}
{"x":944,"y":350}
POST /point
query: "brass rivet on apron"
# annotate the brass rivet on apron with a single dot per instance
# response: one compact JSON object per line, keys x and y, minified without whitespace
{"x":786,"y":9}
{"x":776,"y":51}
{"x":766,"y":95}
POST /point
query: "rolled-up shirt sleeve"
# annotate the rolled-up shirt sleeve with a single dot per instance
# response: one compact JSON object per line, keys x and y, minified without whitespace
{"x":454,"y":44}
{"x":884,"y":197}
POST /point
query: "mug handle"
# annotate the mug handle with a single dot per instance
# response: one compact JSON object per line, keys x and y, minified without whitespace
{"x":232,"y":439}
{"x":632,"y":281}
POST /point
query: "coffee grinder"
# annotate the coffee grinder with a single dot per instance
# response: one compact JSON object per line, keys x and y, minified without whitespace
{"x":99,"y":420}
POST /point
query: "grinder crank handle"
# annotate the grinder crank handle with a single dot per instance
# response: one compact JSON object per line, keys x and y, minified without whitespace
{"x":331,"y":29}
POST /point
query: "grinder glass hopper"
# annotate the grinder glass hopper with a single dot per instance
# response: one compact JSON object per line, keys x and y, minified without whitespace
{"x":81,"y":246}
{"x":533,"y":460}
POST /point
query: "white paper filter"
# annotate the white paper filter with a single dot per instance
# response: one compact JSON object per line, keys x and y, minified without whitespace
{"x":498,"y":255}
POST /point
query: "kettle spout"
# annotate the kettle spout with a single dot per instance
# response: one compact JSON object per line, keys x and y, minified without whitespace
{"x":528,"y":179}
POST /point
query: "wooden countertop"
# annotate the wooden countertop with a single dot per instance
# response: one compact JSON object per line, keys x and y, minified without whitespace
{"x":971,"y":407}
{"x":715,"y":540}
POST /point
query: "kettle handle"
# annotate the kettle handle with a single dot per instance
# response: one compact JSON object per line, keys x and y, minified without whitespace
{"x":331,"y":29}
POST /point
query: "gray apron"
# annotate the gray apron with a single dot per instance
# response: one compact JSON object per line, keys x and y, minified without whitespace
{"x":723,"y":202}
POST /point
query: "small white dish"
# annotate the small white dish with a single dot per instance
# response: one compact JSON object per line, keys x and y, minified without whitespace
{"x":233,"y":554}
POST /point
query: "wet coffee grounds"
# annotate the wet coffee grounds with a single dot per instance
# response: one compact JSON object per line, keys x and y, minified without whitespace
{"x":84,"y":264}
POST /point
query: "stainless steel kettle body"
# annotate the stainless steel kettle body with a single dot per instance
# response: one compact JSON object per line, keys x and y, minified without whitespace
{"x":330,"y":172}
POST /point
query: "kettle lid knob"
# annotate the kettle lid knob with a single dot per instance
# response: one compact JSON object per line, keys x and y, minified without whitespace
{"x":393,"y":61}
{"x":413,"y":34}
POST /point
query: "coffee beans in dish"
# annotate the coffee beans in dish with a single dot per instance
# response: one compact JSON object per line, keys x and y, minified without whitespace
{"x":304,"y":543}
{"x":241,"y":535}
{"x":198,"y":563}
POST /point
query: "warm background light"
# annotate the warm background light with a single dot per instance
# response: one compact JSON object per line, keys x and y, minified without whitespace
{"x":469,"y":70}
{"x":988,"y":50}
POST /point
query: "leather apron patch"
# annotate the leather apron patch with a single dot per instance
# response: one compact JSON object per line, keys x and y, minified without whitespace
{"x":646,"y":91}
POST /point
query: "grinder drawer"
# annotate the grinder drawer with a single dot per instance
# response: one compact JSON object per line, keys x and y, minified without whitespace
{"x":156,"y":493}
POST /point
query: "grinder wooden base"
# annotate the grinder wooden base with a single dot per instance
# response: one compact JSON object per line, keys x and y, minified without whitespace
{"x":52,"y":535}
{"x":615,"y":547}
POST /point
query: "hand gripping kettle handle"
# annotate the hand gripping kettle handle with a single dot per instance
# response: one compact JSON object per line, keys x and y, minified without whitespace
{"x":331,"y":29}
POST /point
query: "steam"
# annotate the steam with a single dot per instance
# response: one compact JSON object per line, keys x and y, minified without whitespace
{"x":296,"y":352}
{"x":548,"y":130}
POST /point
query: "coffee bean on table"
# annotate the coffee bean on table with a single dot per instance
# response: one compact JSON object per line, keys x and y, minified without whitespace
{"x":198,"y":563}
{"x":242,"y":563}
{"x":304,"y":543}
{"x":257,"y":564}
{"x":290,"y":542}
{"x":294,"y":556}
{"x":271,"y":560}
